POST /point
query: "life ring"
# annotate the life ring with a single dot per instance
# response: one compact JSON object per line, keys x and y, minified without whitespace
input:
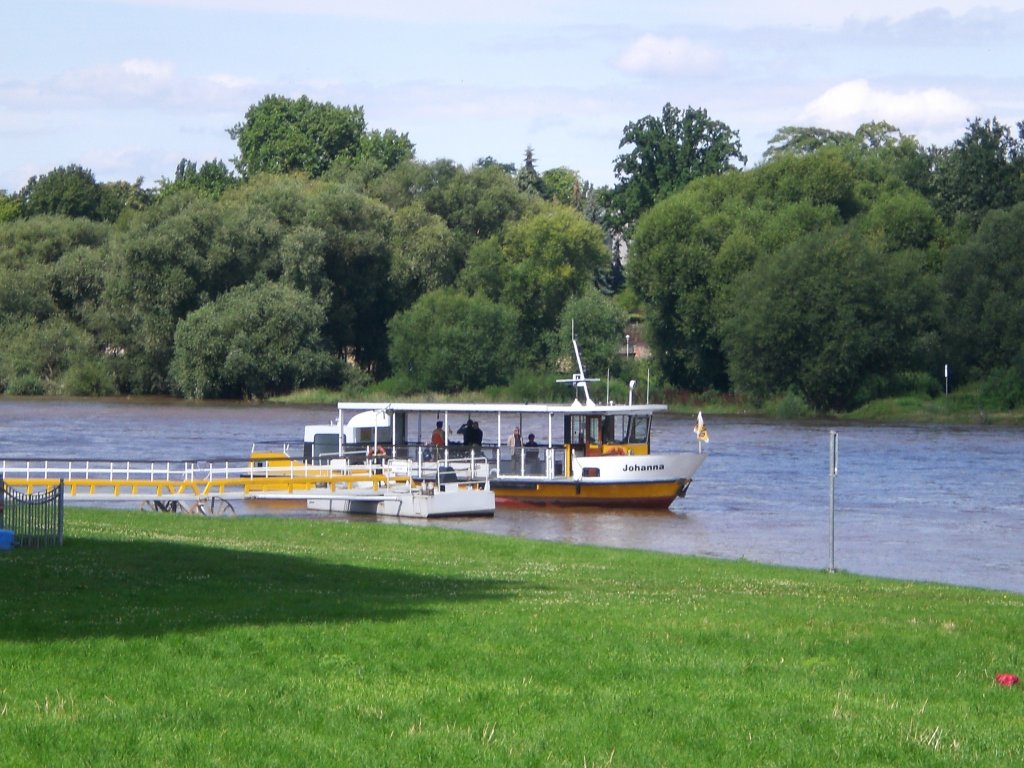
{"x":615,"y":452}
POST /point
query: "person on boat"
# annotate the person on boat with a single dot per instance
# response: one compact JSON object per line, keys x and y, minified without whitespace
{"x":471,"y":433}
{"x":515,"y":440}
{"x":437,"y":439}
{"x":477,"y":434}
{"x":531,"y":447}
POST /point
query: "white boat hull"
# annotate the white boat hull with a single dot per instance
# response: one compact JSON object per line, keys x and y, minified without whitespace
{"x":411,"y":503}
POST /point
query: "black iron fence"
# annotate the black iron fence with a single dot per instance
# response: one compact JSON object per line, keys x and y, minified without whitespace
{"x":37,"y":519}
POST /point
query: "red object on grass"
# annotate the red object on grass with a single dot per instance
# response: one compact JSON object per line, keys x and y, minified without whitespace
{"x":1007,"y":679}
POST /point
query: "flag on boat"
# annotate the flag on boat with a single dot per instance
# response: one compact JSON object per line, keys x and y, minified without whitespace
{"x":699,"y":429}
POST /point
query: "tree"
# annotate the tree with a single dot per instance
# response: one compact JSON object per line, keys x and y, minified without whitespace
{"x":282,"y":135}
{"x":212,"y":178}
{"x":487,"y":162}
{"x":527,"y":178}
{"x":303,"y":256}
{"x":798,"y":141}
{"x":68,"y":191}
{"x":828,"y":317}
{"x":357,"y":259}
{"x":564,"y":185}
{"x":52,"y":357}
{"x":982,"y":171}
{"x":10,"y":207}
{"x":878,"y":144}
{"x":156,"y":275}
{"x":423,"y":256}
{"x":668,"y":153}
{"x":671,"y":268}
{"x":901,"y":218}
{"x":77,"y":281}
{"x":542,"y":261}
{"x":477,"y":203}
{"x":983,"y":281}
{"x":449,"y":340}
{"x":116,"y":197}
{"x":253,"y":341}
{"x":599,"y":324}
{"x":44,"y":239}
{"x":24,"y":292}
{"x":388,"y":148}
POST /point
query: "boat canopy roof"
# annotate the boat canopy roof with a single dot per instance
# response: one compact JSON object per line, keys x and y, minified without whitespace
{"x":575,"y":407}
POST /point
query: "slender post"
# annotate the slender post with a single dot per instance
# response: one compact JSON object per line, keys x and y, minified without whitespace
{"x":833,"y":469}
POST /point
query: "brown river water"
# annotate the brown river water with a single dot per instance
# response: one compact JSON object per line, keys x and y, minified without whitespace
{"x":921,"y":502}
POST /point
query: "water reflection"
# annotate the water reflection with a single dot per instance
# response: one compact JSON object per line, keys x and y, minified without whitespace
{"x":927,"y":502}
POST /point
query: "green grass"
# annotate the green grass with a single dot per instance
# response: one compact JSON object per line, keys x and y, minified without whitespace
{"x":165,"y":640}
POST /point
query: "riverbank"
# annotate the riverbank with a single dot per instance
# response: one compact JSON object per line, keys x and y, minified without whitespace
{"x":166,"y":640}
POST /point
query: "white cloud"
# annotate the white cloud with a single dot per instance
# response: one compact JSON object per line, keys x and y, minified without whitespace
{"x":655,"y":55}
{"x":725,"y":13}
{"x":232,"y":82}
{"x":438,"y":12}
{"x":147,"y":70}
{"x":129,"y":80}
{"x":131,"y":84}
{"x":847,"y":105}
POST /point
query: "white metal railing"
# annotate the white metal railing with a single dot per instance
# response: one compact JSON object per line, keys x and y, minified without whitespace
{"x":171,"y":479}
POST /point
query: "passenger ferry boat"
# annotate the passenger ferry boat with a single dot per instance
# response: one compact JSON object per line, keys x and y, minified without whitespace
{"x":585,"y":454}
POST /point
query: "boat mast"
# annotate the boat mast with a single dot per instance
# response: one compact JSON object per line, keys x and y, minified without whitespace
{"x":579,"y":379}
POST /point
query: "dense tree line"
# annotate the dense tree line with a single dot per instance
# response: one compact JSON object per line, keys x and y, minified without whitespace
{"x":842,"y":267}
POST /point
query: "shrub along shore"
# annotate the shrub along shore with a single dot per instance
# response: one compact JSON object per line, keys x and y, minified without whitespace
{"x":153,"y":639}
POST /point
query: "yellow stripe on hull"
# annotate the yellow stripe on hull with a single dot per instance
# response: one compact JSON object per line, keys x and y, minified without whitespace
{"x":656,"y":495}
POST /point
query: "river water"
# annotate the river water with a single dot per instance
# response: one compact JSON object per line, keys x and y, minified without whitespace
{"x":921,"y":502}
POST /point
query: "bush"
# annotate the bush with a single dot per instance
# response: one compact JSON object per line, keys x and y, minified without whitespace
{"x":39,"y":357}
{"x":877,"y":386}
{"x":253,"y":341}
{"x":449,"y":341}
{"x":790,"y":406}
{"x":1003,"y":388}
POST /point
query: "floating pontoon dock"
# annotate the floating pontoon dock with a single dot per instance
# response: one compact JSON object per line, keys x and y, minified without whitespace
{"x":210,"y":487}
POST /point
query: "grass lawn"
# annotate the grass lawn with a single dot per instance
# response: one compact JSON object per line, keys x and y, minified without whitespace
{"x":167,"y":640}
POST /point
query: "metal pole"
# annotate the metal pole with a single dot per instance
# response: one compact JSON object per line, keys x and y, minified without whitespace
{"x":833,"y":469}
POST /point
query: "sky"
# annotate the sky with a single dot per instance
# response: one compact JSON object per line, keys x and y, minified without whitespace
{"x":128,"y":88}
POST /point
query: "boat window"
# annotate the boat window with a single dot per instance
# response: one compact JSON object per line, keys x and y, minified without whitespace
{"x":641,"y":429}
{"x":608,"y":431}
{"x":325,"y":444}
{"x":578,"y":431}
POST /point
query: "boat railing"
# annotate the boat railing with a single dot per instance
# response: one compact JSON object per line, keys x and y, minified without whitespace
{"x":425,"y":463}
{"x":529,"y":461}
{"x":477,"y":462}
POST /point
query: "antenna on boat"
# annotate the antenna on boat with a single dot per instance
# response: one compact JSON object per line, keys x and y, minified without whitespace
{"x":579,"y":379}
